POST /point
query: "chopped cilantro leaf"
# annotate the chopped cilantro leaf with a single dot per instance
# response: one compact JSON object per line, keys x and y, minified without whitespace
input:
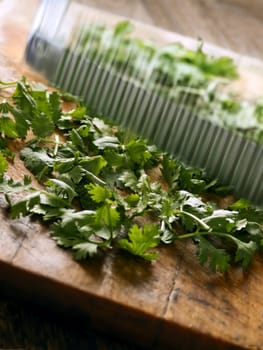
{"x":140,"y":241}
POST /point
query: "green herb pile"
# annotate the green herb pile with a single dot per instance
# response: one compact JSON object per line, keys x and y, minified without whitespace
{"x":119,"y":49}
{"x":102,"y":188}
{"x":172,"y":70}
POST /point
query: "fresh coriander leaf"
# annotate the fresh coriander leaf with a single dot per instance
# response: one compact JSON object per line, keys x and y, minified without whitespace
{"x":217,"y":259}
{"x":240,"y":204}
{"x":114,"y":159}
{"x":76,"y":174}
{"x":123,"y":28}
{"x":52,"y":200}
{"x":98,"y":193}
{"x":61,"y":189}
{"x":107,"y":215}
{"x":246,"y":211}
{"x":27,"y":180}
{"x":192,"y":203}
{"x":138,"y":152}
{"x":140,"y":241}
{"x":107,"y":142}
{"x":8,"y":127}
{"x":81,"y":217}
{"x":5,"y":107}
{"x":83,"y":250}
{"x":78,"y":113}
{"x":245,"y":252}
{"x":77,"y":139}
{"x":129,"y":179}
{"x":3,"y":143}
{"x":223,"y":221}
{"x":192,"y":180}
{"x":42,"y":125}
{"x":170,"y":170}
{"x":24,"y":205}
{"x":68,"y":235}
{"x":99,"y":127}
{"x":38,"y":162}
{"x":65,"y":165}
{"x":222,"y":66}
{"x":132,"y":199}
{"x":93,"y":164}
{"x":22,"y":123}
{"x":9,"y":187}
{"x":23,"y":99}
{"x":68,"y":97}
{"x":55,"y":108}
{"x":254,"y":229}
{"x":167,"y":236}
{"x":46,"y":212}
{"x":65,"y":122}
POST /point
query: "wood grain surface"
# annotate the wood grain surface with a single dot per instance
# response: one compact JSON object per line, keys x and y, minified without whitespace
{"x":175,"y":287}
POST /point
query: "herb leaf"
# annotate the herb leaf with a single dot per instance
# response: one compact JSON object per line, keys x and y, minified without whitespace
{"x":140,"y":241}
{"x":218,"y":259}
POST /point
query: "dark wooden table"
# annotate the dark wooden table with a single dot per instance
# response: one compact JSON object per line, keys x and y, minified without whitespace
{"x":233,"y":24}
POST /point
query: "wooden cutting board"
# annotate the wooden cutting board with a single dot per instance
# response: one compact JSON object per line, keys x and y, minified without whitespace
{"x":170,"y":303}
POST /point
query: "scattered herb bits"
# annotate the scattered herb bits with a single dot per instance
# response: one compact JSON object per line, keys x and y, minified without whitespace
{"x":102,"y":187}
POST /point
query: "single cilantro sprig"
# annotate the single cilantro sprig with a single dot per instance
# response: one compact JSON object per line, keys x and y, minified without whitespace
{"x":141,"y":240}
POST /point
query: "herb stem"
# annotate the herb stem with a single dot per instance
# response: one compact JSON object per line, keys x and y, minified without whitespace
{"x":9,"y":83}
{"x":110,"y":223}
{"x":193,"y":234}
{"x":56,"y":145}
{"x":200,"y":222}
{"x":95,"y":178}
{"x":203,"y":233}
